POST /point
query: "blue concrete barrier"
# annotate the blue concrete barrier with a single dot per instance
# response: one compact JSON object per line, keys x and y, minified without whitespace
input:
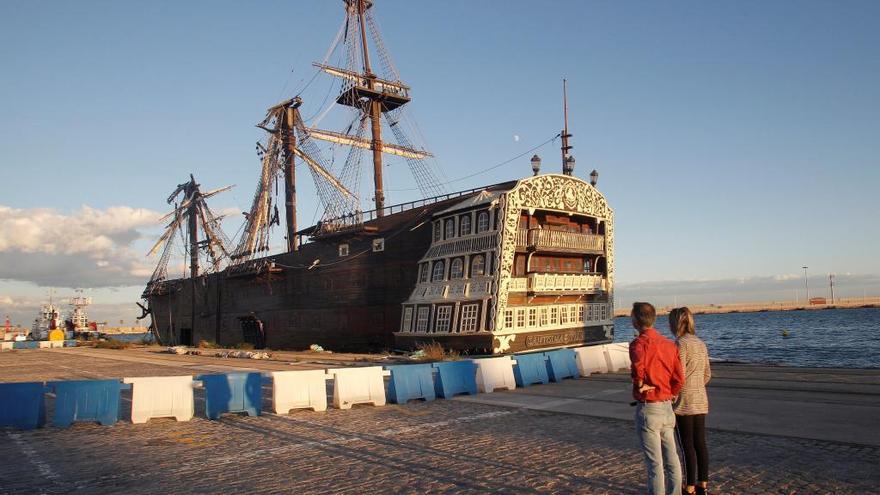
{"x":26,"y":344}
{"x":69,"y":343}
{"x":22,"y":405}
{"x":456,"y":377}
{"x":232,"y":392}
{"x":561,"y":364}
{"x":411,"y":381}
{"x":530,"y":368}
{"x":86,"y":400}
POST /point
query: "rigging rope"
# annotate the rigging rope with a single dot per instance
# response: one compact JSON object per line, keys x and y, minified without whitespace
{"x":493,"y":167}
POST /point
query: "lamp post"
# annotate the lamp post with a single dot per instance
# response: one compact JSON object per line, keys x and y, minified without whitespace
{"x":594,"y":178}
{"x":536,"y":164}
{"x":807,"y":284}
{"x":831,"y":284}
{"x":568,"y":165}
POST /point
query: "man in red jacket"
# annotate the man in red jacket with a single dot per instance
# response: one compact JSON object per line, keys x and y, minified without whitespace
{"x":657,"y":378}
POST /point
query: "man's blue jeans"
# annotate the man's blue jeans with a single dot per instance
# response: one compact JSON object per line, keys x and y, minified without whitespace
{"x":655,"y":426}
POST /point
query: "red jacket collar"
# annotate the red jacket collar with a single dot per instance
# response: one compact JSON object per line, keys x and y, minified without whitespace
{"x":650,"y":332}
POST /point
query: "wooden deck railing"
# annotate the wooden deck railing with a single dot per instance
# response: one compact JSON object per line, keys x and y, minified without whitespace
{"x":558,"y":240}
{"x":557,"y":282}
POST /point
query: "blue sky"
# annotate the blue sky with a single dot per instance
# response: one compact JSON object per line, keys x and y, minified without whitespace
{"x":736,"y":141}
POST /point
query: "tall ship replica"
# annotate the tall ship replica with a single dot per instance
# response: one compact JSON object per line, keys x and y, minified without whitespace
{"x":525,"y":264}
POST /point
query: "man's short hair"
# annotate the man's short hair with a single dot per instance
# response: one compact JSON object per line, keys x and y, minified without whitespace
{"x":643,"y":314}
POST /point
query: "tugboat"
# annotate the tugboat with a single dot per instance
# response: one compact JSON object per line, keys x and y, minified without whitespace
{"x":520,"y":265}
{"x":49,"y":320}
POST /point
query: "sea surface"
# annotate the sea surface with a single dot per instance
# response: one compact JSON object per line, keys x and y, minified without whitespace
{"x":832,"y":338}
{"x":131,"y":337}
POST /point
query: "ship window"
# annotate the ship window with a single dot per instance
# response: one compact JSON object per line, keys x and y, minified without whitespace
{"x":422,"y":321}
{"x":439,"y":271}
{"x":456,"y":269}
{"x":572,"y":313}
{"x":343,"y":250}
{"x":533,"y":317}
{"x":563,"y":315}
{"x":520,"y":317}
{"x":508,"y":318}
{"x":444,"y":316}
{"x":465,"y":224}
{"x":543,"y":313}
{"x":449,"y":227}
{"x":482,"y":221}
{"x":438,"y":233}
{"x":407,"y":320}
{"x":581,"y":313}
{"x":423,"y":272}
{"x":378,"y":245}
{"x":554,"y":315}
{"x":478,"y":265}
{"x":469,"y":317}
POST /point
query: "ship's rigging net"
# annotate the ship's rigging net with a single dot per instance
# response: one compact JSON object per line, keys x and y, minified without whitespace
{"x":291,"y":139}
{"x":181,"y":242}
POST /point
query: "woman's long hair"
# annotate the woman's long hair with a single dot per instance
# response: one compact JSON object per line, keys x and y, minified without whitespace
{"x":681,"y":321}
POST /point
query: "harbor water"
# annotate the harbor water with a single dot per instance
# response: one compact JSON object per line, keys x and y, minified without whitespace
{"x":832,"y":338}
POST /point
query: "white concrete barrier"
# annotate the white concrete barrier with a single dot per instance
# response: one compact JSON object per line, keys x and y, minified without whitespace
{"x":54,"y":344}
{"x":44,"y":344}
{"x":617,"y":356}
{"x":495,"y":373}
{"x":299,"y":390}
{"x":591,"y":359}
{"x":5,"y":345}
{"x":358,"y":386}
{"x":161,"y":397}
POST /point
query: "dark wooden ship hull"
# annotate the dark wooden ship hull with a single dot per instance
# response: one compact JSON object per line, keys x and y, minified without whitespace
{"x":367,"y":289}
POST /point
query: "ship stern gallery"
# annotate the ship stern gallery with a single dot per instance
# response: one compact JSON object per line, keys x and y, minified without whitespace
{"x":521,"y":265}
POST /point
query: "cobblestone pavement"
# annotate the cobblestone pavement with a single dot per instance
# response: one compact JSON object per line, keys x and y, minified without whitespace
{"x":445,"y":446}
{"x":438,"y":447}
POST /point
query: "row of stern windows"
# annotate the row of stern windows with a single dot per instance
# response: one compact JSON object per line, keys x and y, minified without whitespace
{"x":445,"y":318}
{"x":475,"y":265}
{"x":462,"y":225}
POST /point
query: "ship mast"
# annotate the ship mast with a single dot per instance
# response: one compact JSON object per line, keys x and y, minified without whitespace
{"x":375,"y":114}
{"x":286,"y":124}
{"x":565,"y":135}
{"x":375,"y":93}
{"x":191,"y":213}
{"x":189,"y":191}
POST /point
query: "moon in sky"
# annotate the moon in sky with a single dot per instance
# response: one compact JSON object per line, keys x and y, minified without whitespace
{"x":516,"y":138}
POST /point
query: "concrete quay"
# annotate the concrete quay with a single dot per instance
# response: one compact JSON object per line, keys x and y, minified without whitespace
{"x":773,"y":430}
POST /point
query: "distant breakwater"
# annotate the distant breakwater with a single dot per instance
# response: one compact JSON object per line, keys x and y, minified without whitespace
{"x":761,"y":307}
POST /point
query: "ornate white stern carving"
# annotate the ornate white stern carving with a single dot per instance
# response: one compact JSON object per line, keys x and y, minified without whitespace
{"x":547,"y":192}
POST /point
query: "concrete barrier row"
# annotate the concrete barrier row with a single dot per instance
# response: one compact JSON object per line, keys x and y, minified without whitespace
{"x":8,"y":345}
{"x":22,"y":405}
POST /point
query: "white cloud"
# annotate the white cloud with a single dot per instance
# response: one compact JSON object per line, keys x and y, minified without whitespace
{"x":88,"y":247}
